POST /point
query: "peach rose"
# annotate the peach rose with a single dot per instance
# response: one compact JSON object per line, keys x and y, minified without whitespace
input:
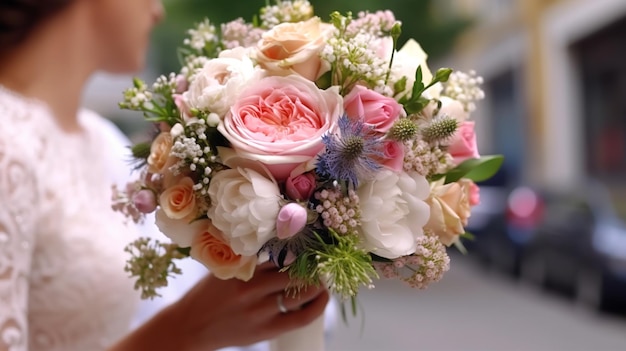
{"x":159,"y":152}
{"x":210,"y":249}
{"x":449,"y":209}
{"x":179,"y":201}
{"x":294,"y":48}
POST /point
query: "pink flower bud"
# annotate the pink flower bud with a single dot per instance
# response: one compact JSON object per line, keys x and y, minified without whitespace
{"x":181,"y":84}
{"x":184,"y":109}
{"x":300,"y":187}
{"x":291,"y":219}
{"x":145,"y":201}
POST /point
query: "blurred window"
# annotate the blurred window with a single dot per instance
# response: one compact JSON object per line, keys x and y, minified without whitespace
{"x":603,"y":75}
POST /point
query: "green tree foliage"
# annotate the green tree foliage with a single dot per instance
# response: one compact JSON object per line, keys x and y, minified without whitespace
{"x":436,"y":35}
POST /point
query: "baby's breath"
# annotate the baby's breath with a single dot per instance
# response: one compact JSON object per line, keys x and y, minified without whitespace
{"x":285,"y":11}
{"x":465,"y":88}
{"x":355,"y":61}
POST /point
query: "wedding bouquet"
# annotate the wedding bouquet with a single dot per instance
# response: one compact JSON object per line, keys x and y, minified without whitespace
{"x":317,"y":145}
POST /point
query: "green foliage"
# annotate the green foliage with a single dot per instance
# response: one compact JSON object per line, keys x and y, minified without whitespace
{"x":476,"y":169}
{"x":344,"y":266}
{"x":415,"y":102}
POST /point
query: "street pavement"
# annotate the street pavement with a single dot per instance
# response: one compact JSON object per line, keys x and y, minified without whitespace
{"x":475,"y":310}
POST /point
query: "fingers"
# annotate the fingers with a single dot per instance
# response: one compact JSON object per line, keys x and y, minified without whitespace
{"x":295,"y":301}
{"x":268,"y":280}
{"x":304,"y":315}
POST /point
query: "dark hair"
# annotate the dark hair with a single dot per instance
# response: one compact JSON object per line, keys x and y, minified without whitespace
{"x":19,"y":17}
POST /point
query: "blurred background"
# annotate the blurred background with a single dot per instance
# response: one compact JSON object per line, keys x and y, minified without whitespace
{"x":547,"y":268}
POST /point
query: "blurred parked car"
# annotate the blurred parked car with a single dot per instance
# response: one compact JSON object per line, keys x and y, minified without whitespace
{"x":505,"y":227}
{"x":578,"y":246}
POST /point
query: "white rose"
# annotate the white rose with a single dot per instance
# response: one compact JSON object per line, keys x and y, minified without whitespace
{"x":453,"y":108}
{"x":393,"y":212}
{"x":216,"y":87}
{"x":180,"y":231}
{"x":405,"y":63}
{"x":244,"y":206}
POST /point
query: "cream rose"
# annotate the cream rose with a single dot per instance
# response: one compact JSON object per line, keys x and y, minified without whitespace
{"x":244,"y":206}
{"x":216,"y":87}
{"x":449,"y":209}
{"x":294,"y":48}
{"x":280,"y":121}
{"x":159,"y":152}
{"x":179,"y":200}
{"x":405,"y":63}
{"x":211,"y":249}
{"x":393,"y":212}
{"x":180,"y":231}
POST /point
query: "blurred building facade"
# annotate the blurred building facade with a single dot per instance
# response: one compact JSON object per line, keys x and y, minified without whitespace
{"x":555,"y":78}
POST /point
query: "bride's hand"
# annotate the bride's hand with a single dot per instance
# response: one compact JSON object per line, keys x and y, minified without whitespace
{"x":219,"y":313}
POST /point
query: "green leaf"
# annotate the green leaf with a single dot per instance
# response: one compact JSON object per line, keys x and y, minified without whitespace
{"x":476,"y":169}
{"x":442,"y":75}
{"x":415,"y":105}
{"x":184,"y":250}
{"x":400,"y":85}
{"x":468,"y":236}
{"x":418,"y":86}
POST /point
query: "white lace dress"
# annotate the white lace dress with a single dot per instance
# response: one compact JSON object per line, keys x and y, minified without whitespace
{"x":62,"y":284}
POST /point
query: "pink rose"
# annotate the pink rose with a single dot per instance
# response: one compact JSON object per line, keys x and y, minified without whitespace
{"x":474,"y":192}
{"x":300,"y":187}
{"x":291,"y":219}
{"x":377,"y":111}
{"x":463,"y":145}
{"x":393,"y":151}
{"x":279,"y":121}
{"x":210,"y":249}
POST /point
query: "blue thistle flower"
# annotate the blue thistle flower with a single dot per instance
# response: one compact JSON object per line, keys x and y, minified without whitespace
{"x":351,"y":155}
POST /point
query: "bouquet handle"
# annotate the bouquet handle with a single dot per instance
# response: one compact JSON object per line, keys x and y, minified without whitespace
{"x":307,"y":338}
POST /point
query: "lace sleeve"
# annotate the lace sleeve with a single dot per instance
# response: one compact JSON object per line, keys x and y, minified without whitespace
{"x":18,"y":198}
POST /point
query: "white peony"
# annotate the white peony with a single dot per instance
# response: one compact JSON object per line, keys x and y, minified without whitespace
{"x":217,"y":85}
{"x":393,"y":212}
{"x":405,"y":63}
{"x":244,"y":206}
